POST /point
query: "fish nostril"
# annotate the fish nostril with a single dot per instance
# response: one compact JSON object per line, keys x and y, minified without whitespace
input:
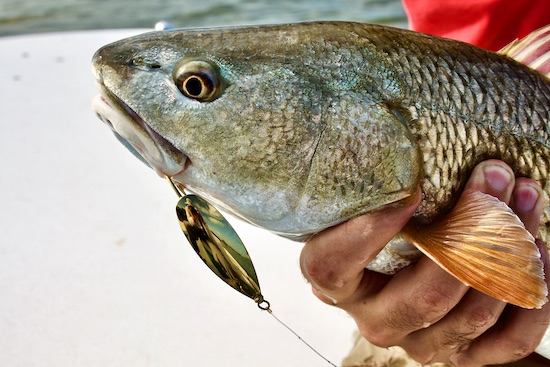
{"x":145,"y":62}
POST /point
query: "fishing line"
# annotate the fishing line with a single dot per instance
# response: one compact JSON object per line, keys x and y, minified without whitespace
{"x":270,"y":311}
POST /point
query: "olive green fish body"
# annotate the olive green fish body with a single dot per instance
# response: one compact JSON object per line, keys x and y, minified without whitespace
{"x":315,"y":123}
{"x":465,"y":105}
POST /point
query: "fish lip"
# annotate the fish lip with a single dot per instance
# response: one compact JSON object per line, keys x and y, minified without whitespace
{"x":154,"y":149}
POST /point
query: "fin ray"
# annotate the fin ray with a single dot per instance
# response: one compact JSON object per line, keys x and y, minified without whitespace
{"x":485,"y":245}
{"x":533,"y":50}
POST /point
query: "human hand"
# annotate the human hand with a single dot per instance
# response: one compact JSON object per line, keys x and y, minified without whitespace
{"x":423,"y":309}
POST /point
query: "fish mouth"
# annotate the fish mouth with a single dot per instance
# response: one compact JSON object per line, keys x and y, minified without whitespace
{"x":137,"y":135}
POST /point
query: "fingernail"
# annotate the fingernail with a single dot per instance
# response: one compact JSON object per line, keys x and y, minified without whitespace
{"x":323,"y":297}
{"x":525,"y":198}
{"x":498,"y":177}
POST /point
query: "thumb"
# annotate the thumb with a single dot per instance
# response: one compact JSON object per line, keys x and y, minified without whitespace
{"x":334,"y":260}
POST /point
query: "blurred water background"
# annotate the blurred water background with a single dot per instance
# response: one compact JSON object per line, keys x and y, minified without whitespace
{"x":38,"y":16}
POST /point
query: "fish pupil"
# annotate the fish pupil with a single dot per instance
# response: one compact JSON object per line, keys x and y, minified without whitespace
{"x":194,"y":86}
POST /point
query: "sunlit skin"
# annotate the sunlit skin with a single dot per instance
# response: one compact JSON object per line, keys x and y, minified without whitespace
{"x":426,"y":311}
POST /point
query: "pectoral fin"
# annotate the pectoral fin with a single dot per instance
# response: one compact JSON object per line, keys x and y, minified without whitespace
{"x":485,"y":245}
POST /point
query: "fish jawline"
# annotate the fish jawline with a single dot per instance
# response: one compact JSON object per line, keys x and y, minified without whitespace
{"x":159,"y":153}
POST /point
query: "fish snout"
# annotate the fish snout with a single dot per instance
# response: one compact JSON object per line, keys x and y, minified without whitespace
{"x":142,"y":141}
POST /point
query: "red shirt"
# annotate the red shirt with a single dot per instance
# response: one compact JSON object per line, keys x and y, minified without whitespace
{"x":490,"y":24}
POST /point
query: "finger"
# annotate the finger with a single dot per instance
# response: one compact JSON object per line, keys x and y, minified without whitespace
{"x":334,"y":260}
{"x":414,"y":299}
{"x":492,"y":177}
{"x":472,"y":317}
{"x":528,"y":203}
{"x":515,"y":338}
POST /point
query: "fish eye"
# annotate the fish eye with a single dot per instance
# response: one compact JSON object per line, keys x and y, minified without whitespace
{"x":198,"y":79}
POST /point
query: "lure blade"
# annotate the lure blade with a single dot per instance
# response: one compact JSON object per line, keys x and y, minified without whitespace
{"x":218,"y":245}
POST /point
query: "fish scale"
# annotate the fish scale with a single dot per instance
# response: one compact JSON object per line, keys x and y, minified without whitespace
{"x":480,"y":122}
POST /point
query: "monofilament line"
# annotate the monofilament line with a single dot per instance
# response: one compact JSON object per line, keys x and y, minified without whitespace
{"x":298,"y":336}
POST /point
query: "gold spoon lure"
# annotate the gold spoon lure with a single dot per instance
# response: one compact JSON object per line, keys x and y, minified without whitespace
{"x":221,"y":249}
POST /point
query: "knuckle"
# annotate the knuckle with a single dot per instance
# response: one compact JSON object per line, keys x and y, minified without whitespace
{"x":424,"y":356}
{"x":377,"y":336}
{"x":510,"y":351}
{"x":522,"y":348}
{"x":428,"y":305}
{"x":481,"y":317}
{"x":455,"y":340}
{"x":321,"y":275}
{"x":433,"y":301}
{"x":405,"y":317}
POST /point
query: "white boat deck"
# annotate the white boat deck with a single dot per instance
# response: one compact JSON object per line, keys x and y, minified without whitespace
{"x":94,"y":269}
